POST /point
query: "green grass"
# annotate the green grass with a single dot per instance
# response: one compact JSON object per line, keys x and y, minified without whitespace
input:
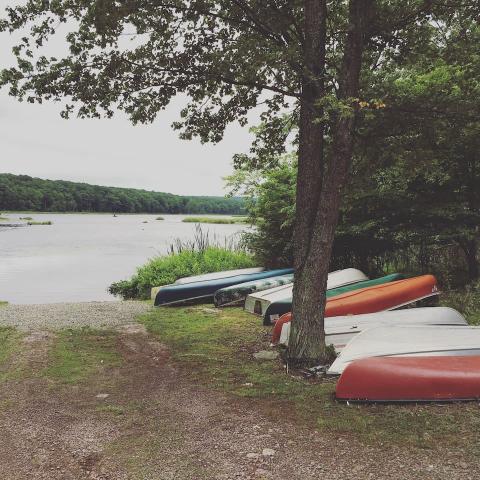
{"x":47,"y":222}
{"x":4,"y":219}
{"x":9,"y":338}
{"x":466,"y":301}
{"x":159,"y":218}
{"x":215,"y":348}
{"x":2,"y":303}
{"x":26,"y":218}
{"x":166,"y":269}
{"x":216,"y":220}
{"x":76,"y":355}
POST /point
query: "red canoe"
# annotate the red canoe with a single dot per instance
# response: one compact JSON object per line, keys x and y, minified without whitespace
{"x":373,"y":299}
{"x":409,"y":379}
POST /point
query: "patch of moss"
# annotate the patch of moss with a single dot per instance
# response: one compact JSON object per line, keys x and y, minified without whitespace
{"x":78,"y":354}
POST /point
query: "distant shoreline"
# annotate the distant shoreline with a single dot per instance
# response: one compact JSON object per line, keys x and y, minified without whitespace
{"x":118,"y":214}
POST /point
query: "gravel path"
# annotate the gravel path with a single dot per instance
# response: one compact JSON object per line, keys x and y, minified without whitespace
{"x":66,"y":315}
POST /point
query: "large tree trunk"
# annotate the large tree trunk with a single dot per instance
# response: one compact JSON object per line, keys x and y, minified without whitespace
{"x":320,"y":183}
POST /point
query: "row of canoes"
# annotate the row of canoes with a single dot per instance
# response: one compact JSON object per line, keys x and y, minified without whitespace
{"x":384,"y":354}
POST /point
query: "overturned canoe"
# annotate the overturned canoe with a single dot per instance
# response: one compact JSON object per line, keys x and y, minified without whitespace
{"x":236,"y":294}
{"x":340,"y":330}
{"x":218,"y":275}
{"x":172,"y":294}
{"x":373,"y":299}
{"x":397,"y":340}
{"x":277,"y":308}
{"x":259,"y":302}
{"x":411,"y":379}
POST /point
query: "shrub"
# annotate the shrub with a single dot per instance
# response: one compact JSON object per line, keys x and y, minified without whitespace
{"x":194,"y":257}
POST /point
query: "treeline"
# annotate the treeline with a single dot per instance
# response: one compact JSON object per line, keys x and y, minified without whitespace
{"x":21,"y":192}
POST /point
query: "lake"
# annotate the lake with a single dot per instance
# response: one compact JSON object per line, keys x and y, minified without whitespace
{"x":77,"y":257}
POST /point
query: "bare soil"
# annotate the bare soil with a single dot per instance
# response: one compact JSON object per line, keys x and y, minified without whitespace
{"x":147,"y":420}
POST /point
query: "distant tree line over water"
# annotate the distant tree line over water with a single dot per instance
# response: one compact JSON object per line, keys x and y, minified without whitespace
{"x":21,"y":192}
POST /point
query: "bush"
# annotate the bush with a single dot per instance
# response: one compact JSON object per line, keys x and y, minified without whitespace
{"x":194,"y":257}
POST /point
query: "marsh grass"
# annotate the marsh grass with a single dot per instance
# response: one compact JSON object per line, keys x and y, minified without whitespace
{"x":201,"y":254}
{"x":47,"y":222}
{"x":159,"y":218}
{"x":216,"y":348}
{"x":216,"y":220}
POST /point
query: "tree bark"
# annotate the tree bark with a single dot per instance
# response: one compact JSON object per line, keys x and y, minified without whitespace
{"x":308,"y":341}
{"x":320,"y":183}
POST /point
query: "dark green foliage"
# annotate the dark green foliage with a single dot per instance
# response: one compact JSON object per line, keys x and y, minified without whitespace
{"x":21,"y":192}
{"x":272,"y":212}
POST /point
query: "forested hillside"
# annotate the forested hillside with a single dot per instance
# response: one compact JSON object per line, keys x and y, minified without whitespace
{"x":21,"y":192}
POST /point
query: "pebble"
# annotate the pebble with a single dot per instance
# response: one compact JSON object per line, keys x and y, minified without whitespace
{"x":102,"y":396}
{"x":268,"y":452}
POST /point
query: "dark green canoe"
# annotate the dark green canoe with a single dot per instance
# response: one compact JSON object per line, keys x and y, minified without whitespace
{"x":278,"y":308}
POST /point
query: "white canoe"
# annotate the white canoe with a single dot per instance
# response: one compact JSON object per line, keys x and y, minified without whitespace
{"x":409,"y":341}
{"x":259,"y":302}
{"x":218,"y":275}
{"x":340,"y":330}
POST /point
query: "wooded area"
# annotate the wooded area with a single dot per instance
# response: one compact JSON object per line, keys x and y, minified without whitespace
{"x":21,"y":192}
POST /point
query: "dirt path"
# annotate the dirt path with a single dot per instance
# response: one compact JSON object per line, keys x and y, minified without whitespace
{"x":156,"y":424}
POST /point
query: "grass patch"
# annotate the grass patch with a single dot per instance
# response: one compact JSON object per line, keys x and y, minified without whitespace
{"x":216,"y":220}
{"x":466,"y":301}
{"x":4,"y":219}
{"x":78,"y":354}
{"x":26,"y":218}
{"x":9,"y":345}
{"x":47,"y":222}
{"x":9,"y":338}
{"x":159,"y":218}
{"x":2,"y":303}
{"x":216,"y":347}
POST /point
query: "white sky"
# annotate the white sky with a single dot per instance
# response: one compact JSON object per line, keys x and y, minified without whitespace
{"x":36,"y":141}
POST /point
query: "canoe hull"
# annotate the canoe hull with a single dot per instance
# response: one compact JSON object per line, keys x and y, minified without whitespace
{"x":373,"y":299}
{"x":236,"y":294}
{"x":340,"y":330}
{"x":176,"y":294}
{"x":411,"y":379}
{"x":218,"y":275}
{"x":276,"y":309}
{"x":258,"y":303}
{"x":409,"y":341}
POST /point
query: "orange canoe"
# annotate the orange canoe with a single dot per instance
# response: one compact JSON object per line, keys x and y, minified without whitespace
{"x":379,"y":298}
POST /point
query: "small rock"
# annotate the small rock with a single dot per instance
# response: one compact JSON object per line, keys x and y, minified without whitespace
{"x":268,"y":452}
{"x":266,"y":355}
{"x":102,"y":396}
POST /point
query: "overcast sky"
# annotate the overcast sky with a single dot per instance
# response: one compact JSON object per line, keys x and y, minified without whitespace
{"x":35,"y":141}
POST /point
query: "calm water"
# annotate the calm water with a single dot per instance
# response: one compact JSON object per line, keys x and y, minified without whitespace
{"x":79,"y":256}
